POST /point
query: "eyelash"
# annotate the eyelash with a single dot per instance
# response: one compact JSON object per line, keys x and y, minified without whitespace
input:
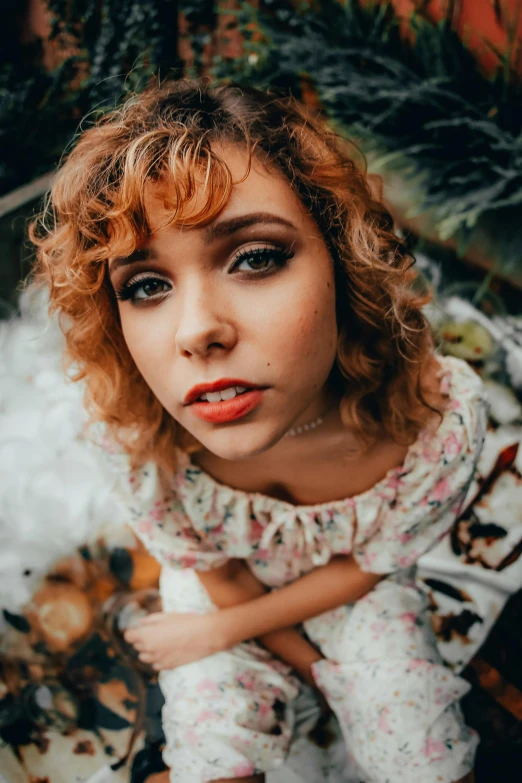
{"x":279,"y":255}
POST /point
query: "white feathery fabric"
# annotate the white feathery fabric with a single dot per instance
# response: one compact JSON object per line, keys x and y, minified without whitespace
{"x":54,"y":493}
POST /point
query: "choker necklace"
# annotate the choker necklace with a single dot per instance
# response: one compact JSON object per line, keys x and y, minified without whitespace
{"x":304,"y":427}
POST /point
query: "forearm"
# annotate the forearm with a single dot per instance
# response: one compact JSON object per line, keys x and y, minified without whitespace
{"x":292,"y":648}
{"x":339,"y":582}
{"x":241,"y":587}
{"x":231,"y":585}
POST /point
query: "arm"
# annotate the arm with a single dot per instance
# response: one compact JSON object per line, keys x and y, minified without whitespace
{"x":235,"y":584}
{"x":339,"y":582}
{"x":171,"y":639}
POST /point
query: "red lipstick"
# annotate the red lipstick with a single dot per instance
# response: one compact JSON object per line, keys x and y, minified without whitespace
{"x":214,"y":386}
{"x":228,"y":410}
{"x":224,"y":410}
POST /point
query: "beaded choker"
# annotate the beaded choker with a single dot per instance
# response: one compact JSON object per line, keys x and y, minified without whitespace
{"x":304,"y":427}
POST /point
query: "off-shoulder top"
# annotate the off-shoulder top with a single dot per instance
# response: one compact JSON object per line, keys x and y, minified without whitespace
{"x":190,"y":520}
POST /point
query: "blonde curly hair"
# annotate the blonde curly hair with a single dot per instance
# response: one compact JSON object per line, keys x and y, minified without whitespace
{"x":96,"y":210}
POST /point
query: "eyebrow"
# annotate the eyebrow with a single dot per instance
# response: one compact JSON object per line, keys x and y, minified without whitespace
{"x":214,"y":232}
{"x":224,"y":228}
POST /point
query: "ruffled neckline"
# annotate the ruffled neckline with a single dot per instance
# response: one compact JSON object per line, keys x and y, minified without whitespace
{"x":192,"y":481}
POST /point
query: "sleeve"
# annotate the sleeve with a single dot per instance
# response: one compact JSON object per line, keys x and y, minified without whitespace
{"x":154,"y":511}
{"x":420,"y":502}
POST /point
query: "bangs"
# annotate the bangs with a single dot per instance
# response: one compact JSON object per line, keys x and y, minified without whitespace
{"x":187,"y":175}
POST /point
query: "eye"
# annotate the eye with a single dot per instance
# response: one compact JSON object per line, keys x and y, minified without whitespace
{"x":143,"y":287}
{"x":261,"y":259}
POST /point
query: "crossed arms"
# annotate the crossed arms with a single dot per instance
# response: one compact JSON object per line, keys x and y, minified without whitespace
{"x":248,"y":611}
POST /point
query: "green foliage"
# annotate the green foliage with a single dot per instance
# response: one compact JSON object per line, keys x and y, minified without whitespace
{"x":422,"y":107}
{"x":116,"y":45}
{"x":122,"y":42}
{"x":200,"y":16}
{"x":32,"y":106}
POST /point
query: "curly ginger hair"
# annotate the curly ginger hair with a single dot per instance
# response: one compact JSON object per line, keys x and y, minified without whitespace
{"x":169,"y":133}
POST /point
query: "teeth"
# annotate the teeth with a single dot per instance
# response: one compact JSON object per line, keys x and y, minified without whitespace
{"x":228,"y":394}
{"x":213,"y":396}
{"x":224,"y":394}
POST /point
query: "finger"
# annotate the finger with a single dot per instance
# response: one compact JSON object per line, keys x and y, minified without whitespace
{"x":140,"y":647}
{"x":147,"y":657}
{"x":137,"y":643}
{"x":153,"y":618}
{"x":134,"y":623}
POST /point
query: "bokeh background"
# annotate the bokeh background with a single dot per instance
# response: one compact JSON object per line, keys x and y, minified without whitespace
{"x":431,"y":91}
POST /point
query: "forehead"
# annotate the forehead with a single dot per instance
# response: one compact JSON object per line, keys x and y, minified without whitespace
{"x":255,"y":187}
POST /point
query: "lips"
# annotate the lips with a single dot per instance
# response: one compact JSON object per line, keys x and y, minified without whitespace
{"x":222,"y":383}
{"x":228,"y":410}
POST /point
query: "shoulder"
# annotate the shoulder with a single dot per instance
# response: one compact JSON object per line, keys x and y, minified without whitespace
{"x":463,"y":391}
{"x":448,"y":449}
{"x":440,"y":464}
{"x":448,"y":446}
{"x":416,"y":504}
{"x":445,"y":380}
{"x":100,"y":441}
{"x":140,"y":485}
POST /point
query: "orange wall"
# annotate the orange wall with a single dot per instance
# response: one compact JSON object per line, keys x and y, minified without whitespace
{"x":476,"y":22}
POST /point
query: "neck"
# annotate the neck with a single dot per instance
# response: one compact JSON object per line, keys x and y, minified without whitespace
{"x":323,"y":408}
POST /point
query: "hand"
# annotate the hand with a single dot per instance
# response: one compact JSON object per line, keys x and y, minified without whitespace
{"x":167,"y":640}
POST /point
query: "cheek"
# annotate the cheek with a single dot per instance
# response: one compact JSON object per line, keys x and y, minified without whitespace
{"x":303,"y":325}
{"x":145,"y":348}
{"x":317,"y":329}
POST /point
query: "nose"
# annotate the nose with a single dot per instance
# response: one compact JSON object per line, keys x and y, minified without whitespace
{"x":205,"y":323}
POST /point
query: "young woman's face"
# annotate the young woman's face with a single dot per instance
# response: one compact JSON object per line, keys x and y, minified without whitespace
{"x":249,"y":297}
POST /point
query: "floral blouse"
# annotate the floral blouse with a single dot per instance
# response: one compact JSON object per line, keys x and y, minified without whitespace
{"x":190,"y":520}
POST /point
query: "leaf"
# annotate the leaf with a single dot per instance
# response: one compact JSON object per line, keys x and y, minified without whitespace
{"x":450,"y":590}
{"x":121,"y":564}
{"x":17,"y":621}
{"x":92,"y":653}
{"x":107,"y":719}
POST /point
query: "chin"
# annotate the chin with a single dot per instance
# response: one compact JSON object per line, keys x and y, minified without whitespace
{"x":234,"y":444}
